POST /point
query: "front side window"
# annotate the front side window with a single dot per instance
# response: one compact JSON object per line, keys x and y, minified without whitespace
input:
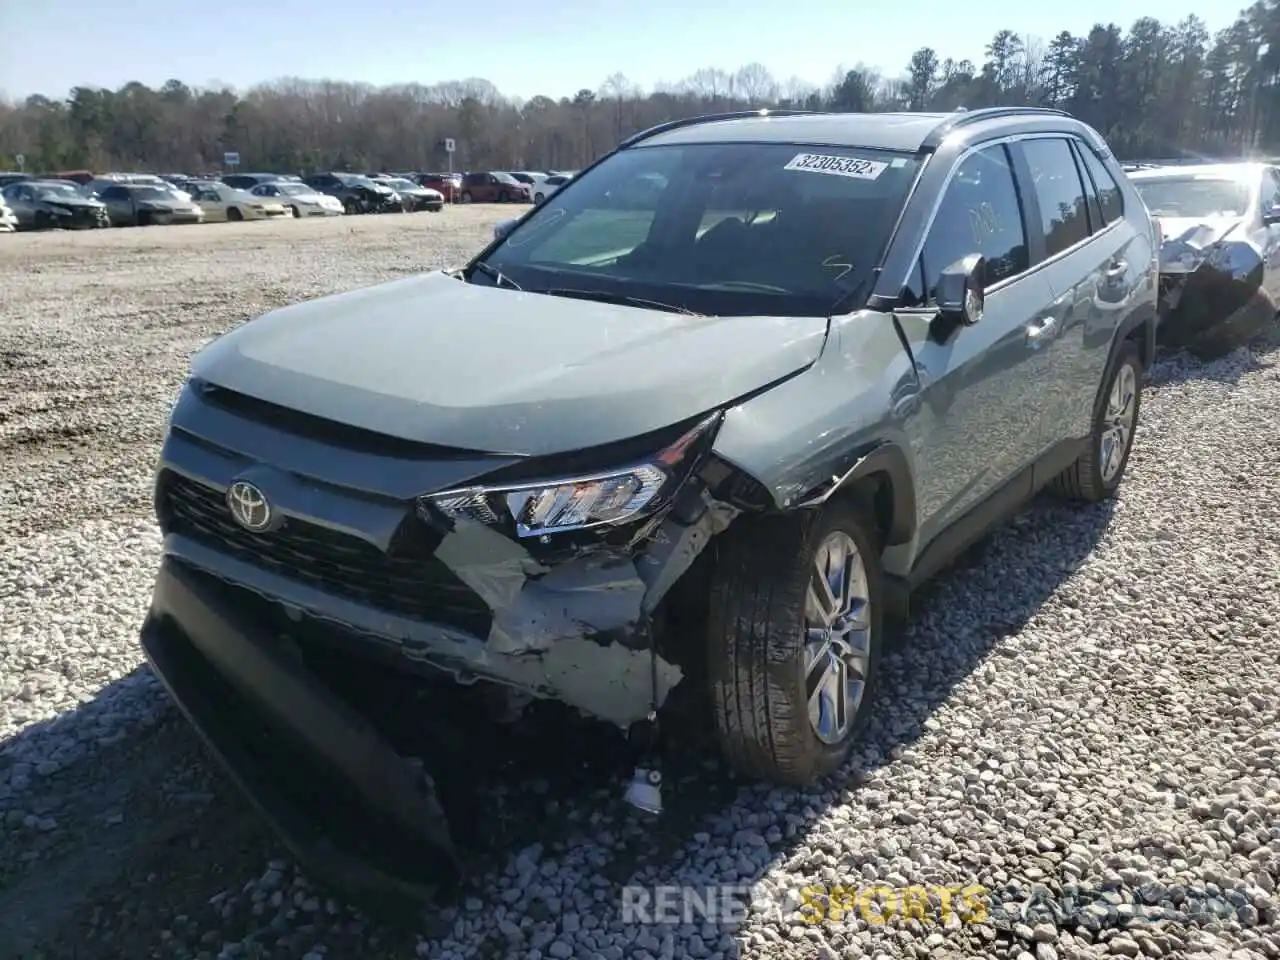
{"x":1194,"y":196}
{"x":739,"y":228}
{"x":980,"y":213}
{"x":1064,"y":216}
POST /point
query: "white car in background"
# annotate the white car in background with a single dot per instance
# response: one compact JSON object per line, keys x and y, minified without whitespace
{"x":548,"y":186}
{"x":299,"y":199}
{"x":8,"y":219}
{"x":221,"y":202}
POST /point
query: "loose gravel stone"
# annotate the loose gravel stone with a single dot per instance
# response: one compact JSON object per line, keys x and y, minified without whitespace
{"x":1083,"y":723}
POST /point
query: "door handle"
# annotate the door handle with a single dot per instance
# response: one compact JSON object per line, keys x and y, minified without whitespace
{"x":1043,"y":330}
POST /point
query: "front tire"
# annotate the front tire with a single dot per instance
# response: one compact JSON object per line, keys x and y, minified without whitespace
{"x":234,"y":215}
{"x":794,"y":639}
{"x":538,"y":198}
{"x":297,"y":214}
{"x":1096,"y":475}
{"x":466,"y":197}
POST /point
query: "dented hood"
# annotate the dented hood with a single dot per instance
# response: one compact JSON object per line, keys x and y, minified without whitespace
{"x":435,"y":360}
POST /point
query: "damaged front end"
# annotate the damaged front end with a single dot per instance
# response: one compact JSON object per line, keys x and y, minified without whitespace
{"x":1211,"y":282}
{"x":547,"y":577}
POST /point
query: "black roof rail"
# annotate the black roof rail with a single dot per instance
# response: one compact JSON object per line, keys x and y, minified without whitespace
{"x":710,"y":118}
{"x":965,"y":117}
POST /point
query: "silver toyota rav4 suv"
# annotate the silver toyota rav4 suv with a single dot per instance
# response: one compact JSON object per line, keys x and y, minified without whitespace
{"x":705,"y":417}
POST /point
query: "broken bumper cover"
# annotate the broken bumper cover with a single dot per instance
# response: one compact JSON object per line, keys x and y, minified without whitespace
{"x":344,"y":802}
{"x":1206,"y":287}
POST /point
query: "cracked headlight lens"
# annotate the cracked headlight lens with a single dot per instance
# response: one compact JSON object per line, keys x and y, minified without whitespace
{"x":566,"y":504}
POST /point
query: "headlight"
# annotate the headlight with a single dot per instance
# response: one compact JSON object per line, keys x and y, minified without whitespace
{"x":577,"y":503}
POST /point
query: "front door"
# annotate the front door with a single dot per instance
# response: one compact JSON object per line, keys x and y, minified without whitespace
{"x":975,"y":427}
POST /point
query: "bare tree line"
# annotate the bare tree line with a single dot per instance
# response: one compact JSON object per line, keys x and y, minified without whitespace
{"x":1155,"y":90}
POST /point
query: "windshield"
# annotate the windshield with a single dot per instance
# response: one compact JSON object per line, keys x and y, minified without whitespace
{"x":399,"y":183}
{"x":1194,"y":197}
{"x":352,"y":180}
{"x":730,"y":229}
{"x":293,"y":189}
{"x":57,"y":191}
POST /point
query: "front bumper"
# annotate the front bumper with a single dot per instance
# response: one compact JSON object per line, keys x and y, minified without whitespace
{"x":344,"y":801}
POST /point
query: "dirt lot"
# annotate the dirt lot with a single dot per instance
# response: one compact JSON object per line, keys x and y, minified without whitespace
{"x":1091,"y":701}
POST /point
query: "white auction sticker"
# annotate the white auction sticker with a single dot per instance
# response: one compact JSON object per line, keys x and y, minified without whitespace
{"x":838,"y":166}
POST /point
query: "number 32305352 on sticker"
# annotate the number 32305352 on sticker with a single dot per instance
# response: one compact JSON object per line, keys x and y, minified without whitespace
{"x":837,"y":166}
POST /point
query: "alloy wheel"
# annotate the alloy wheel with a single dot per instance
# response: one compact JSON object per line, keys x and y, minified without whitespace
{"x":1117,"y":427}
{"x":837,"y":648}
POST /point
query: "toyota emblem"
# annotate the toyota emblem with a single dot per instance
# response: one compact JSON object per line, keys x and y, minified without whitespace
{"x":248,"y":506}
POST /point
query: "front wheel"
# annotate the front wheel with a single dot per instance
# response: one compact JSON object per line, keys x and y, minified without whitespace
{"x":466,"y":197}
{"x":538,"y":198}
{"x":297,"y":214}
{"x":234,"y":214}
{"x":794,"y":639}
{"x":1096,"y":475}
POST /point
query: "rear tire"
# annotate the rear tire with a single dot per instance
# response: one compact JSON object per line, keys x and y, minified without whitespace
{"x":762,"y":638}
{"x":350,"y":207}
{"x":538,"y":198}
{"x":466,"y":197}
{"x":1097,"y":474}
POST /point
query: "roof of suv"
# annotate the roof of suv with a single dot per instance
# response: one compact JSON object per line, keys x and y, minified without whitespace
{"x":906,"y":132}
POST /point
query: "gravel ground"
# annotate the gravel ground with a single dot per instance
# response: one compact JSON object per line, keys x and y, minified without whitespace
{"x":1086,"y":710}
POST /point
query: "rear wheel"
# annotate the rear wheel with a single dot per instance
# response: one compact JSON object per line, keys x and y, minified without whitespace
{"x":1096,"y":475}
{"x":466,"y":197}
{"x":538,"y":198}
{"x":234,"y":214}
{"x":794,"y":638}
{"x":349,"y":206}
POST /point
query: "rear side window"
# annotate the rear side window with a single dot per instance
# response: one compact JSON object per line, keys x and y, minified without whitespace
{"x":1110,"y":200}
{"x":1056,"y":181}
{"x":979,"y":213}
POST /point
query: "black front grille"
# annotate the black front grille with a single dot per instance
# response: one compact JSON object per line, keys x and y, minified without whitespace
{"x":409,"y":581}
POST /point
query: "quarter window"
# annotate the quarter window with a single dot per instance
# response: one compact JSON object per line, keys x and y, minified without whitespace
{"x":979,"y":213}
{"x":1056,"y":181}
{"x":1109,"y":198}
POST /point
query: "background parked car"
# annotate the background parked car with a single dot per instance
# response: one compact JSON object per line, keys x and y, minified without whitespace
{"x":1220,"y":255}
{"x":356,"y":193}
{"x":45,"y":204}
{"x":222,"y":202}
{"x":415,"y":198}
{"x":531,"y":180}
{"x":300,"y":199}
{"x":8,"y":220}
{"x":76,"y":176}
{"x":492,"y":187}
{"x":448,"y":185}
{"x":144,"y":204}
{"x":12,"y":176}
{"x":549,"y":186}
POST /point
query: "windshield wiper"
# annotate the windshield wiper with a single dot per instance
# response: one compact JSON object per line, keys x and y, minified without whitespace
{"x":496,"y":275}
{"x":621,"y":298}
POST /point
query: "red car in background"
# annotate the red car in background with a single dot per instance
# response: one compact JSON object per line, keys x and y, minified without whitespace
{"x":448,"y":184}
{"x":494,"y":187}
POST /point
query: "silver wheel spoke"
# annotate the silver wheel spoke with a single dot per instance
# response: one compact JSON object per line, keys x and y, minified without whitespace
{"x":1113,"y":443}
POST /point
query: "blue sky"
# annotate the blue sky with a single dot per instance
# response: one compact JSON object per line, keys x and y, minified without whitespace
{"x":523,"y":48}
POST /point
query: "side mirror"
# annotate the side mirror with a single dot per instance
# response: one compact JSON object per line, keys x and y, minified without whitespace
{"x":503,"y":228}
{"x":961,"y":290}
{"x":1271,"y":215}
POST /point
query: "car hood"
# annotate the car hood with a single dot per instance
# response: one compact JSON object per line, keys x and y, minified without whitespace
{"x":435,"y":360}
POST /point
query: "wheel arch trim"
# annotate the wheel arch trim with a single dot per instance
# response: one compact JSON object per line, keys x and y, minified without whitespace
{"x":883,"y":458}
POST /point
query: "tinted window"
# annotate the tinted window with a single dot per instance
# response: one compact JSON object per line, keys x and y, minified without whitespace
{"x":1096,"y":222}
{"x":1056,"y":181}
{"x":1110,"y":200}
{"x":979,"y":213}
{"x":731,"y":229}
{"x":115,"y":193}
